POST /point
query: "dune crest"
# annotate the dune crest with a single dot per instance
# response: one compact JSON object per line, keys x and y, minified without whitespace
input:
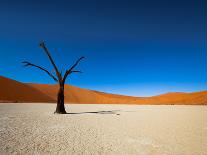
{"x":14,"y":91}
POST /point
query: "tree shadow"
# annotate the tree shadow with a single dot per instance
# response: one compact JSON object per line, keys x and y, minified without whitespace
{"x":97,"y":112}
{"x":113,"y":112}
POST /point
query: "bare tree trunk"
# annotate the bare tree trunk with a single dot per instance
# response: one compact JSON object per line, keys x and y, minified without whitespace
{"x":60,"y":109}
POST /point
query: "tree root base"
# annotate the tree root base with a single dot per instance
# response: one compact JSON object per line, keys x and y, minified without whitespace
{"x":60,"y":112}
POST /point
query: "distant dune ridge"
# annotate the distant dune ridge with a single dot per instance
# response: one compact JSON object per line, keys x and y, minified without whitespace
{"x":14,"y":91}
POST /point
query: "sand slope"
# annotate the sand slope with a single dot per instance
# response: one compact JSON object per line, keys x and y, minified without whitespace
{"x":79,"y":95}
{"x":180,"y":98}
{"x":11,"y":91}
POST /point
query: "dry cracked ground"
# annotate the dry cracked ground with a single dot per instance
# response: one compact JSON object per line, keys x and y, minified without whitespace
{"x":103,"y":129}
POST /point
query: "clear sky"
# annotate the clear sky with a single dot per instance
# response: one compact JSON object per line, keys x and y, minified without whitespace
{"x":139,"y":48}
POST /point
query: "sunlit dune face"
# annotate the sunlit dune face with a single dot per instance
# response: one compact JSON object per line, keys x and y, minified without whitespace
{"x":13,"y":91}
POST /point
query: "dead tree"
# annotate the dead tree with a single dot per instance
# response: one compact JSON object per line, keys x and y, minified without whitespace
{"x":60,"y":109}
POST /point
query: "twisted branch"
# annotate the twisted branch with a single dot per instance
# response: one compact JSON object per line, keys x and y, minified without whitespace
{"x":28,"y":64}
{"x":69,"y":71}
{"x":42,"y":45}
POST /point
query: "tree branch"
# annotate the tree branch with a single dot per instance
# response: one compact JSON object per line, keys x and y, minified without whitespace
{"x":76,"y":72}
{"x":27,"y":64}
{"x":42,"y":45}
{"x":69,"y":71}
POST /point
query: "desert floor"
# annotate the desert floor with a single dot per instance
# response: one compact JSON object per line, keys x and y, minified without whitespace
{"x":103,"y":129}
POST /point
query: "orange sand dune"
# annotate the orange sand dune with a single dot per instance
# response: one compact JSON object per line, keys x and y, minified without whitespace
{"x":79,"y":95}
{"x":13,"y":91}
{"x":181,"y":98}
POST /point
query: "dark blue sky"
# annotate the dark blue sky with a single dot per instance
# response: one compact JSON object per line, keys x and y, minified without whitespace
{"x":139,"y":48}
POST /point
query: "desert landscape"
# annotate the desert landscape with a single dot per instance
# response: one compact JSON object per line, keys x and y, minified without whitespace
{"x":103,"y":129}
{"x":103,"y":77}
{"x":111,"y":124}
